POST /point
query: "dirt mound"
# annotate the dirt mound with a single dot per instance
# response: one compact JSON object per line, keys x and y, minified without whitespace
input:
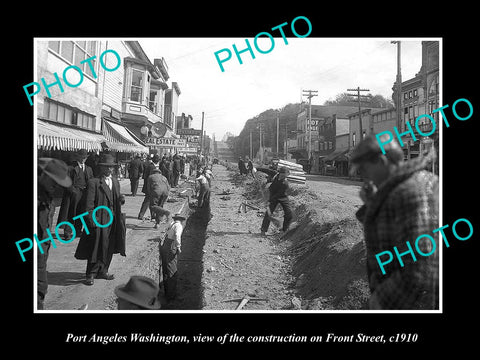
{"x":328,"y":261}
{"x":325,"y":248}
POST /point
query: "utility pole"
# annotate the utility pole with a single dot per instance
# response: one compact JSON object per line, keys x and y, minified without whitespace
{"x":359,"y":97}
{"x":399,"y":85}
{"x":201,"y":143}
{"x":278,"y":130}
{"x":309,"y":94}
{"x":260,"y":150}
{"x":251,"y":149}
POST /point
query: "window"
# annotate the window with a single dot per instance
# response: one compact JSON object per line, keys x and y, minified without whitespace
{"x":137,"y":85}
{"x":330,"y":145}
{"x":405,"y":96}
{"x":75,"y":52}
{"x":410,"y":94}
{"x":353,"y":139}
{"x":66,"y":115}
{"x":415,"y":92}
{"x":152,"y":104}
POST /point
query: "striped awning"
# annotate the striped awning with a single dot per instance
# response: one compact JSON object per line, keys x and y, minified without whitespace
{"x":119,"y":138}
{"x":57,"y":137}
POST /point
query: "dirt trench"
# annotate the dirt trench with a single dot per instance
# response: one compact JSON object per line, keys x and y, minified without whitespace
{"x":319,"y":264}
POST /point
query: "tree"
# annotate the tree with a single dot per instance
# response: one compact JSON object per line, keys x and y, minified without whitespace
{"x":377,"y":101}
{"x":287,"y":115}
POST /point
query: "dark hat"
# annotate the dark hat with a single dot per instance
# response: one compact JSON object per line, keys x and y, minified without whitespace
{"x":366,"y":149}
{"x":107,"y":160}
{"x":56,"y":169}
{"x":141,"y":291}
{"x":283,"y":170}
{"x":81,"y":154}
{"x":178,"y":216}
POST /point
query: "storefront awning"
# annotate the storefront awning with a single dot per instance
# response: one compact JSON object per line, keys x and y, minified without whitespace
{"x":336,"y":155}
{"x":51,"y":136}
{"x":119,"y":138}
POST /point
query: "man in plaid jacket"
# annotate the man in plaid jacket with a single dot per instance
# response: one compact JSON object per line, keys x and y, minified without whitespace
{"x":401,"y":203}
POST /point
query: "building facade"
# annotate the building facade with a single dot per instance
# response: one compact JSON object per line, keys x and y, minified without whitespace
{"x":320,"y":114}
{"x":101,"y":95}
{"x":420,"y":95}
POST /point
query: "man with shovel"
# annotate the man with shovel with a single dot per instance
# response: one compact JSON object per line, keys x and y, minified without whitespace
{"x":278,"y":195}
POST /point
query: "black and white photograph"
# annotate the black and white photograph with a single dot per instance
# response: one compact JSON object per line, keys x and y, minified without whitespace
{"x":269,"y":187}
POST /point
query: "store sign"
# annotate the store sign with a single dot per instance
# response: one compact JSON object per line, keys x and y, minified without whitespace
{"x":193,"y":132}
{"x":165,"y":142}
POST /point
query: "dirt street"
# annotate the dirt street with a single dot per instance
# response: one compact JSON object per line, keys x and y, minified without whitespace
{"x":319,"y":264}
{"x":66,"y":290}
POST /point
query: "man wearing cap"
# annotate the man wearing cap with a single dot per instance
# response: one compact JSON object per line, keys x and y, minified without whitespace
{"x":139,"y":293}
{"x":170,"y":247}
{"x":101,"y":243}
{"x":278,"y":195}
{"x":73,"y":200}
{"x":51,"y":174}
{"x":400,"y":204}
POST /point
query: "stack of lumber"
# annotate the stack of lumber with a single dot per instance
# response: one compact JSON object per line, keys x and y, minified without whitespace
{"x":297,"y":175}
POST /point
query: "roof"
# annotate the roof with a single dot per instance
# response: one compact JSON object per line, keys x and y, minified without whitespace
{"x":329,"y":110}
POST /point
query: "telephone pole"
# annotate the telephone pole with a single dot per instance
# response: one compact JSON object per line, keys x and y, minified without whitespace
{"x":260,"y":150}
{"x":359,"y":97}
{"x":399,"y":85}
{"x":309,"y":94}
{"x":201,"y":143}
{"x":278,"y":130}
{"x":251,"y":149}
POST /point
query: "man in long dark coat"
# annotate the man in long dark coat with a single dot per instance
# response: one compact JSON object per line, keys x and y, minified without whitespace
{"x":101,"y":243}
{"x":153,"y":164}
{"x":176,"y":170}
{"x":134,"y":172}
{"x":73,"y":200}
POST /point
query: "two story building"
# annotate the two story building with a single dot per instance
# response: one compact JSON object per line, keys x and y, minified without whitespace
{"x":420,"y":95}
{"x":108,"y":110}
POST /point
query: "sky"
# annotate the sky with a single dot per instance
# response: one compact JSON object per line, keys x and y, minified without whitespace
{"x":277,"y":78}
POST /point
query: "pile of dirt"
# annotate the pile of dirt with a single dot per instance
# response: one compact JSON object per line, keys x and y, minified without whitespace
{"x":325,"y":249}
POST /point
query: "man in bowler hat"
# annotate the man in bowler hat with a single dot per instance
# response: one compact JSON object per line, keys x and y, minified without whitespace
{"x":134,"y":172}
{"x":101,"y":243}
{"x":52,"y":173}
{"x":74,"y":197}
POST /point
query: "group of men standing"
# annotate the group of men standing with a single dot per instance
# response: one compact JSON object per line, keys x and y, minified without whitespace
{"x":84,"y":193}
{"x":170,"y":166}
{"x":81,"y":193}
